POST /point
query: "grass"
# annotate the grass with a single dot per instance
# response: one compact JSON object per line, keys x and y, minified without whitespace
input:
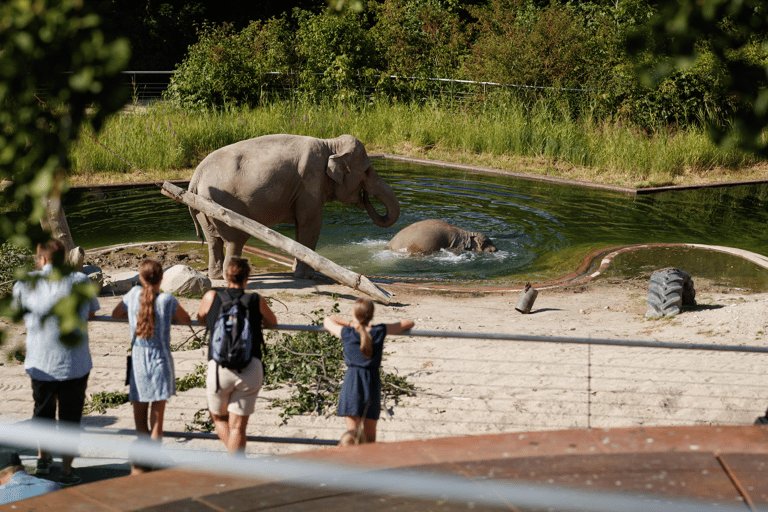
{"x":161,"y":142}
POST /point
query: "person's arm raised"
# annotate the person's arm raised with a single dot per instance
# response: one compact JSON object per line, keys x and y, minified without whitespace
{"x":398,"y":327}
{"x":334,"y":325}
{"x":205,"y":306}
{"x":181,"y":316}
{"x":119,"y":311}
{"x":268,"y":318}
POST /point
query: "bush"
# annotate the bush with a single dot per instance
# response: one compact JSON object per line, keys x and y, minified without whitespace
{"x":335,"y":53}
{"x":693,"y":97}
{"x":15,"y":262}
{"x":550,"y":47}
{"x":226,"y":67}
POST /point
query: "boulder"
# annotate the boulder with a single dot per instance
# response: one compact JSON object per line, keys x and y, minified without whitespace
{"x":121,"y":282}
{"x":184,"y":280}
{"x":75,"y":258}
{"x":95,"y":274}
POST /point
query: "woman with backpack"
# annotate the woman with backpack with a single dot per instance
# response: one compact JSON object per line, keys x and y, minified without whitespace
{"x":235,"y":372}
{"x":360,"y":397}
{"x":151,"y":379}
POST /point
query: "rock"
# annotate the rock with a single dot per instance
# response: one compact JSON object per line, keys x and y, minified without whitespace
{"x":184,"y":280}
{"x":121,"y":282}
{"x":75,"y":258}
{"x":95,"y":275}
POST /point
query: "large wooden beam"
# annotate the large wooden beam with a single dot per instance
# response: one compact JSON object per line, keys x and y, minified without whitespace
{"x":275,"y":239}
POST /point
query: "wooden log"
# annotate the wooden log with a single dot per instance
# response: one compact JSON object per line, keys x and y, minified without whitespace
{"x":55,"y":222}
{"x":275,"y":239}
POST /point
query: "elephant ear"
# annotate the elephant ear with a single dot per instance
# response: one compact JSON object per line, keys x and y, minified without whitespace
{"x":338,"y":167}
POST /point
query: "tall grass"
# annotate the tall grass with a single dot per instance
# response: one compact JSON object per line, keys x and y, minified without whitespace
{"x":161,"y":137}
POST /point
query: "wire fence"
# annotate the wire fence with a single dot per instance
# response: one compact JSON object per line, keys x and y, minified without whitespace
{"x":492,"y":382}
{"x":147,"y":86}
{"x":516,"y":382}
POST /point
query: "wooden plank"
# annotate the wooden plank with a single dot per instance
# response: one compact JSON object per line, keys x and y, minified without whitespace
{"x":275,"y":239}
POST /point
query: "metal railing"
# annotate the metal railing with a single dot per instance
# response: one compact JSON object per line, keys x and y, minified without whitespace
{"x":520,"y":337}
{"x":601,"y":385}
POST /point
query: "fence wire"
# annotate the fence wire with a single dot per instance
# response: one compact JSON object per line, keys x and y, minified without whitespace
{"x":552,"y":382}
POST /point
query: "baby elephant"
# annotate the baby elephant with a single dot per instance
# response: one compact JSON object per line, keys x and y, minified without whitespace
{"x":431,"y":235}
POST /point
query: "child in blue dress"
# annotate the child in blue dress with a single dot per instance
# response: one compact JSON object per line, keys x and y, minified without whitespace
{"x":152,"y":379}
{"x":360,"y":397}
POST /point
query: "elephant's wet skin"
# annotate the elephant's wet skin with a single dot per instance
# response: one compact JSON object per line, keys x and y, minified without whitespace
{"x":431,"y":235}
{"x":286,"y":179}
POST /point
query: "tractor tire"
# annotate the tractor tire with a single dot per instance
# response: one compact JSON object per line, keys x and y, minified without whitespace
{"x":668,"y":291}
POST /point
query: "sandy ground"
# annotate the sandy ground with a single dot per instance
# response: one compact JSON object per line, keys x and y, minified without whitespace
{"x":471,"y":386}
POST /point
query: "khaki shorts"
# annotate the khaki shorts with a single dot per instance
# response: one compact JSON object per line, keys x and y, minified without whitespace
{"x":237,"y":390}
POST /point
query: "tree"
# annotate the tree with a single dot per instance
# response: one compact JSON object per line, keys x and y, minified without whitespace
{"x":55,"y":63}
{"x":735,"y":32}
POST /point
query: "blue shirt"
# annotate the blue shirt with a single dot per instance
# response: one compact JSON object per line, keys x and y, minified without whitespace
{"x":48,"y":359}
{"x":22,"y":486}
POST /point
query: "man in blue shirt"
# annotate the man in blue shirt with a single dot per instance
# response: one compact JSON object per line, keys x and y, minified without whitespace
{"x":16,"y":484}
{"x":59,"y":373}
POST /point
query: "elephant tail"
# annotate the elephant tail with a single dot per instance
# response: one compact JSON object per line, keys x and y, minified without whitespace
{"x":192,"y":187}
{"x":193,"y":213}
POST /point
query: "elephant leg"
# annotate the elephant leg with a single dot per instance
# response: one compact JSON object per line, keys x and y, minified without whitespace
{"x":215,"y":257}
{"x":307,"y":234}
{"x":215,"y":246}
{"x":234,"y":248}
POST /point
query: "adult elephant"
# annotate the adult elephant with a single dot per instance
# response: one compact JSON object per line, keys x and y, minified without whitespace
{"x":285,"y":178}
{"x":431,"y":235}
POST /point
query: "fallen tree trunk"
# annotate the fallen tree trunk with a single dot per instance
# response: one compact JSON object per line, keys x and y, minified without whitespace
{"x":275,"y":239}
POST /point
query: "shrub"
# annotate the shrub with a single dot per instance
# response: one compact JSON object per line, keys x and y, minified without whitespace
{"x":335,"y":53}
{"x":226,"y":67}
{"x":550,"y":47}
{"x":15,"y":262}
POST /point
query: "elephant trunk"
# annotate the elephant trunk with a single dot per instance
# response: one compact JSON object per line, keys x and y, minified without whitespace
{"x":386,"y":195}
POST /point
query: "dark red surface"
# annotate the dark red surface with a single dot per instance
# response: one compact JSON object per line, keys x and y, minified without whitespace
{"x":717,"y":464}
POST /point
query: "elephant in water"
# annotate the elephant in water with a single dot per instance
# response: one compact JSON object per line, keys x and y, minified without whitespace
{"x":431,"y":235}
{"x":285,"y":178}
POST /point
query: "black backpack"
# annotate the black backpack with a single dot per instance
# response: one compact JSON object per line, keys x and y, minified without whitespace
{"x":232,"y":337}
{"x":230,"y":351}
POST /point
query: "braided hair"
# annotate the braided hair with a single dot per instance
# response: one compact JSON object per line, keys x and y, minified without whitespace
{"x":150,"y":274}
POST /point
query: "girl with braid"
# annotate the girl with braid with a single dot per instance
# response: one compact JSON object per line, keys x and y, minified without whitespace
{"x":152,"y":379}
{"x":360,"y":398}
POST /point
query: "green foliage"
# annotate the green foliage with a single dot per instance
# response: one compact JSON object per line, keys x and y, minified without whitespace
{"x":731,"y":33}
{"x":335,"y":53}
{"x":55,"y":49}
{"x":547,"y":47}
{"x":228,"y":67}
{"x":201,"y":422}
{"x":313,"y":363}
{"x":503,"y":125}
{"x":424,"y":38}
{"x":15,"y":262}
{"x":196,"y":379}
{"x":102,"y":401}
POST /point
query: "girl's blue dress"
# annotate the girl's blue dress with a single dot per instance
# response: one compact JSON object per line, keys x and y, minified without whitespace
{"x":153,"y":378}
{"x":361,"y":390}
